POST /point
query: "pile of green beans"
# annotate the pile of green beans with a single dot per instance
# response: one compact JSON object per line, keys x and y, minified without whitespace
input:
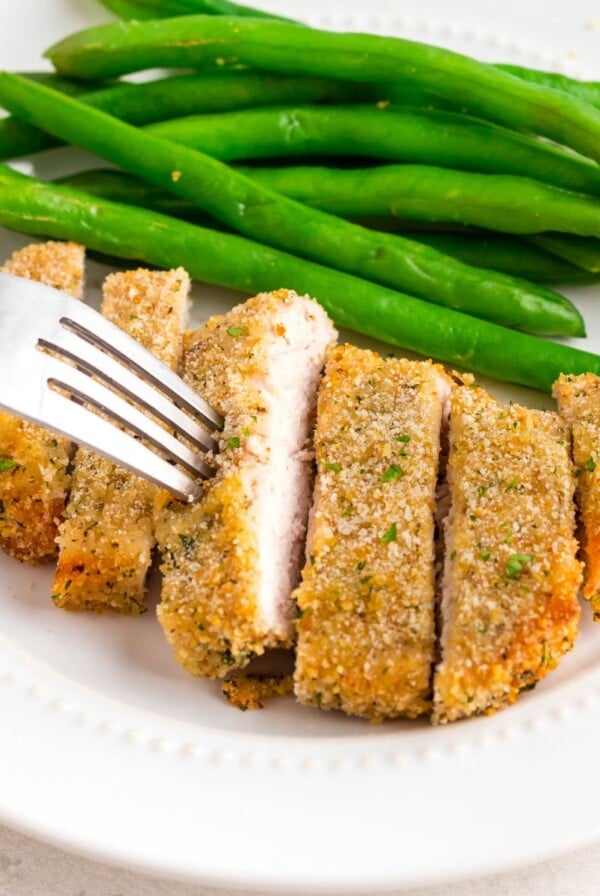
{"x":478,"y":185}
{"x":199,"y":41}
{"x":429,"y":137}
{"x":184,"y":95}
{"x":417,"y":193}
{"x":499,"y":253}
{"x":251,"y":209}
{"x":162,"y":9}
{"x":227,"y":260}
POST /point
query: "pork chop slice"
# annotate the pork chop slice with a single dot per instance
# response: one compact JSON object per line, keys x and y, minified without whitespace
{"x":231,"y":562}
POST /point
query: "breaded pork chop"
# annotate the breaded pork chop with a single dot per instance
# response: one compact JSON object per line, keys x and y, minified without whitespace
{"x":230,"y":562}
{"x":578,"y":400}
{"x":366,"y":603}
{"x":34,"y":477}
{"x":107,"y":537}
{"x":511,"y":577}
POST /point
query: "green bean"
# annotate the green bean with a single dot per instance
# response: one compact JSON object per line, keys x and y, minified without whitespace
{"x":18,"y":138}
{"x":498,"y":253}
{"x":160,"y":9}
{"x":582,"y":251}
{"x":226,"y":260}
{"x":589,"y":91}
{"x":430,"y":137}
{"x":70,"y":86}
{"x":120,"y":187}
{"x":181,"y":95}
{"x":199,"y":41}
{"x":423,"y":193}
{"x":507,"y":254}
{"x":249,"y":208}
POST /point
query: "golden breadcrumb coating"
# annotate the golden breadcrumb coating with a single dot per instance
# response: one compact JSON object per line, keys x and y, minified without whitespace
{"x":210,"y":608}
{"x":34,"y":477}
{"x":59,"y":265}
{"x":107,"y":538}
{"x":511,"y":577}
{"x":579,"y":403}
{"x":248,"y":691}
{"x":366,"y":602}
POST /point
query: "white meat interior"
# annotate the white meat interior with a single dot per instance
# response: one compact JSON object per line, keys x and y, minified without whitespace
{"x":282,"y":477}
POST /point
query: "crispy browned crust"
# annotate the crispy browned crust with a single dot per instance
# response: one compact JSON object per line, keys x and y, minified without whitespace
{"x":248,"y":691}
{"x":107,"y":538}
{"x":35,"y":480}
{"x":511,"y":576}
{"x":366,"y":602}
{"x":578,"y":400}
{"x":210,"y":608}
{"x":60,"y":265}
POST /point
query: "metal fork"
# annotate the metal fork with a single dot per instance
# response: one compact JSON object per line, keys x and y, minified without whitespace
{"x":67,"y":368}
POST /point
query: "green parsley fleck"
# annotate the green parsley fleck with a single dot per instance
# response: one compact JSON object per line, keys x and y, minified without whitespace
{"x":403,"y":438}
{"x":361,"y":565}
{"x":188,"y":541}
{"x":300,"y":612}
{"x":335,"y":468}
{"x":392,"y":473}
{"x":516,"y":563}
{"x":391,"y":534}
{"x":6,"y":464}
{"x":245,"y":432}
{"x":481,"y":490}
{"x":485,"y":555}
{"x":513,"y":484}
{"x":227,"y":658}
{"x":590,"y":464}
{"x":236,"y":331}
{"x":365,"y":580}
{"x":311,"y":559}
{"x":453,"y":555}
{"x":234,"y":442}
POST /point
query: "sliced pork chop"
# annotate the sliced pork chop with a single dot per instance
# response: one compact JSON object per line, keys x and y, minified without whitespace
{"x":230,"y":562}
{"x":579,"y":403}
{"x":367,"y":623}
{"x":511,"y":577}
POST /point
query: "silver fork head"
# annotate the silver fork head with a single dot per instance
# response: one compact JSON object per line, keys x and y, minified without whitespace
{"x":67,"y":368}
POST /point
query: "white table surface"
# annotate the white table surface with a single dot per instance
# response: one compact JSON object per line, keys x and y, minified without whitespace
{"x":30,"y":868}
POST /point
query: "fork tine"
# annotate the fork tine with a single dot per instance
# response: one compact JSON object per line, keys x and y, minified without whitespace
{"x":78,"y":384}
{"x":70,"y":345}
{"x":67,"y":418}
{"x":102,"y":333}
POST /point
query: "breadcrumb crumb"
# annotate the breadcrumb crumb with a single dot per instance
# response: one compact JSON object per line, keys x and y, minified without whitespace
{"x":248,"y":691}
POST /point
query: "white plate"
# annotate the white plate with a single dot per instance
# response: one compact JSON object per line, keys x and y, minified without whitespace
{"x":109,"y":749}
